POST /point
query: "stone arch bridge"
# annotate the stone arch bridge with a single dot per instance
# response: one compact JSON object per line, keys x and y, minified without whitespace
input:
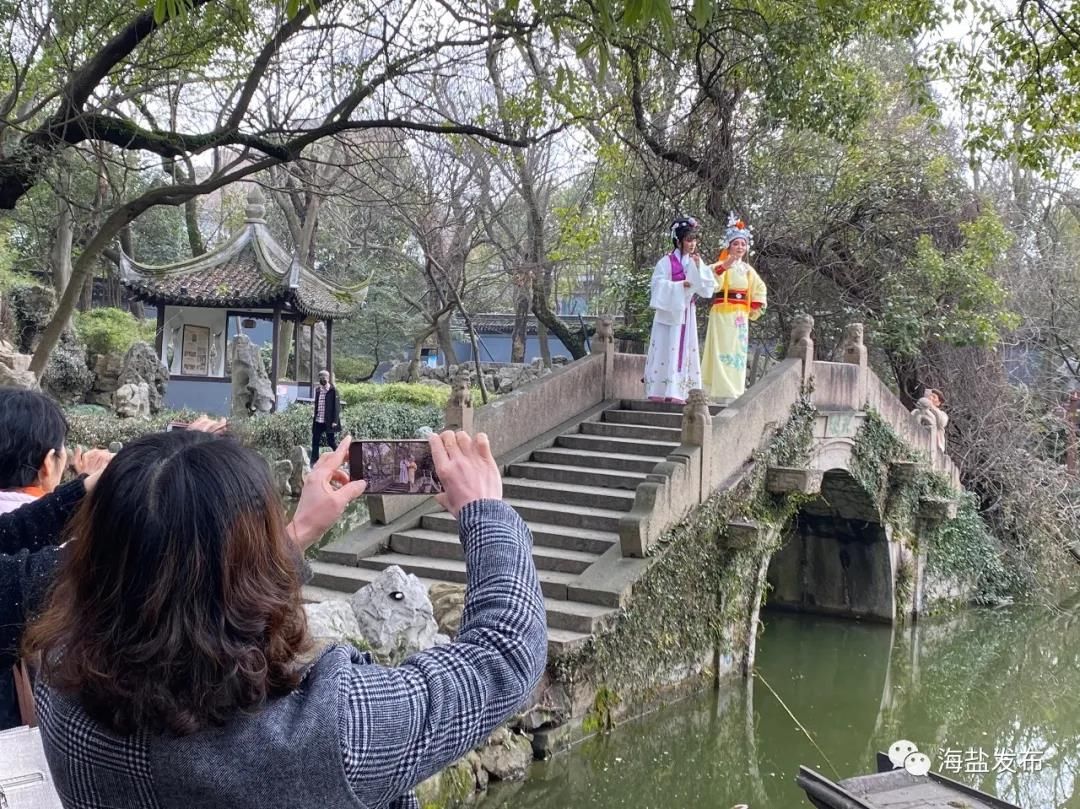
{"x":600,"y":475}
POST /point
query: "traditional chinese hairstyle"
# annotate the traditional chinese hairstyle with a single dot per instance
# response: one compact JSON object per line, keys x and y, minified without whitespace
{"x":682,"y":227}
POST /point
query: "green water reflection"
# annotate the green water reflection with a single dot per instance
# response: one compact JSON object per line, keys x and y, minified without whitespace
{"x":985,"y":686}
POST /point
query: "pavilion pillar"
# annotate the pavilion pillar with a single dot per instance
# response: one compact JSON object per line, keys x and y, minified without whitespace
{"x":311,"y":359}
{"x":330,"y":347}
{"x":274,"y":355}
{"x":159,"y":335}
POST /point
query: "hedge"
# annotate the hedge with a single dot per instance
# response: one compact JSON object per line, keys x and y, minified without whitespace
{"x":274,"y":435}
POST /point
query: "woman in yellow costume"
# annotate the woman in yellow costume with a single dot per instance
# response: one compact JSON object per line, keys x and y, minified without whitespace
{"x":740,"y":298}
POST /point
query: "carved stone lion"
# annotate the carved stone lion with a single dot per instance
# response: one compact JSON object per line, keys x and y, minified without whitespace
{"x":460,"y":392}
{"x":802,"y":326}
{"x":851,"y":348}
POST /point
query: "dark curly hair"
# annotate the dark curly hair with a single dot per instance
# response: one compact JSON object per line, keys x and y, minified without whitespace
{"x":179,"y":602}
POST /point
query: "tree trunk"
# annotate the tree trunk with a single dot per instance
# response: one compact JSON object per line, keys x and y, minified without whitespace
{"x":575,"y":343}
{"x":414,"y":362}
{"x":86,"y":300}
{"x":191,"y":222}
{"x":60,"y":254}
{"x":545,"y":349}
{"x":446,"y":341}
{"x":519,"y":336}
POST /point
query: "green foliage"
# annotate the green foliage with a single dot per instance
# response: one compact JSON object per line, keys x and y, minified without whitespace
{"x":950,"y":297}
{"x":112,"y":331}
{"x":962,"y":549}
{"x":276,"y":435}
{"x":401,"y":392}
{"x":1018,"y":73}
{"x":352,"y":369}
{"x":98,"y":427}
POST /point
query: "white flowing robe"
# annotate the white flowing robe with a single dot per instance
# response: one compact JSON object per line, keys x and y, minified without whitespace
{"x":673,"y":365}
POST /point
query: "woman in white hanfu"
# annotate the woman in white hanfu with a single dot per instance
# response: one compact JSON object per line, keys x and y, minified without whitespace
{"x":673,"y":365}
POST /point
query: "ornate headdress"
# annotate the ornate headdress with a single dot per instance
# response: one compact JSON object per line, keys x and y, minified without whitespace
{"x":682,"y":226}
{"x":737,"y":229}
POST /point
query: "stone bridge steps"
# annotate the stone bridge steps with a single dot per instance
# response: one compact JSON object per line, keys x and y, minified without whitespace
{"x":606,"y":444}
{"x":572,"y":495}
{"x":544,"y":534}
{"x":595,"y":459}
{"x":580,"y":475}
{"x":568,"y":494}
{"x":439,"y":545}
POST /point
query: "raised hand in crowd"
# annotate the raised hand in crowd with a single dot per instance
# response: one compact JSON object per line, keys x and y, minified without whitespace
{"x":326,"y":493}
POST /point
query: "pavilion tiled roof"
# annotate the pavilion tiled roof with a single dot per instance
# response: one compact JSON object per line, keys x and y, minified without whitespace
{"x":250,"y":270}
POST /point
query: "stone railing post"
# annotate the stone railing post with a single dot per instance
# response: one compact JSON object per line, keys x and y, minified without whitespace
{"x":852,"y":349}
{"x":928,"y":421}
{"x":605,"y":344}
{"x":801,"y":346}
{"x":459,"y":409}
{"x":697,"y":433}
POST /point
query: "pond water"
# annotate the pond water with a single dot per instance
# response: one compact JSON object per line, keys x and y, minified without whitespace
{"x":993,"y":690}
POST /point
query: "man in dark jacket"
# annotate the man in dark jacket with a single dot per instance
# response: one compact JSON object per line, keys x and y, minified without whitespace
{"x":327,"y":418}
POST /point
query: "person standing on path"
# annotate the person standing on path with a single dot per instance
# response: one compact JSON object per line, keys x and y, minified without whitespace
{"x":742,"y":298}
{"x":327,"y":418}
{"x":673,"y":365}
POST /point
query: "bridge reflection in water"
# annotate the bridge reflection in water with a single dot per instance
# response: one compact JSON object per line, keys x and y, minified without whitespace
{"x":991,"y":681}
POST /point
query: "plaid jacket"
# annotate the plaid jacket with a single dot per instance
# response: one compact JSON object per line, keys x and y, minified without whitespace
{"x":354,"y":733}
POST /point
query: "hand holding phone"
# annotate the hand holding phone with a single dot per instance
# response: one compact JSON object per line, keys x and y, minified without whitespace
{"x":468,"y":469}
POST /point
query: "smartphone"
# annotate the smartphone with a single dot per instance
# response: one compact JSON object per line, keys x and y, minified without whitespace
{"x":176,"y":425}
{"x":394,"y":466}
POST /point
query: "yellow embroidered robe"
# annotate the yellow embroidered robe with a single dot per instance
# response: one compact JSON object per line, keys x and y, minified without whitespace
{"x":740,"y":298}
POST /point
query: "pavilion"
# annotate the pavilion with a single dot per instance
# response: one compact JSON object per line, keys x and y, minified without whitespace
{"x":251,"y":285}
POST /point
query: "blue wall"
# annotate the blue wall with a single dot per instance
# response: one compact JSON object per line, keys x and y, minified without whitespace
{"x":496,"y":348}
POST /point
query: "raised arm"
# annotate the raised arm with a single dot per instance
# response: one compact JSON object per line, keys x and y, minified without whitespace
{"x":401,"y":725}
{"x":41,"y":523}
{"x":404,"y":724}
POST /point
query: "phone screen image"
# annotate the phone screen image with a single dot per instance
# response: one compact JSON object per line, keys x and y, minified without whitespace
{"x":394,"y":467}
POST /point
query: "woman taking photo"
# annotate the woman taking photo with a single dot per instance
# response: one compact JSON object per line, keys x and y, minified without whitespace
{"x":175,"y":665}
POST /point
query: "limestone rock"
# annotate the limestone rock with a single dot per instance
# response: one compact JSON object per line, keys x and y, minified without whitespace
{"x":479,"y":773}
{"x":283,"y":477}
{"x":549,"y":706}
{"x":67,"y":378}
{"x":447,"y":604}
{"x":251,"y":390}
{"x":33,"y":309}
{"x":332,"y":621}
{"x":507,"y":756}
{"x":395,"y":615}
{"x":300,"y":468}
{"x":132,"y":401}
{"x":107,"y":368}
{"x":15,"y":368}
{"x":141,"y":364}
